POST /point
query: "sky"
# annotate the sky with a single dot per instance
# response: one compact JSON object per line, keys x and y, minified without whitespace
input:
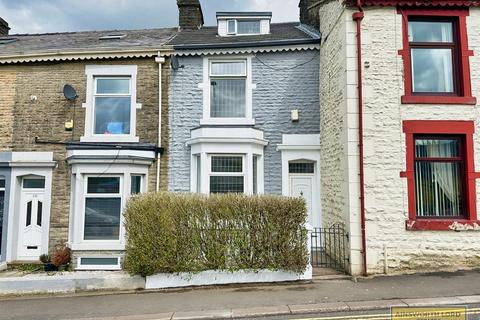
{"x":41,"y":16}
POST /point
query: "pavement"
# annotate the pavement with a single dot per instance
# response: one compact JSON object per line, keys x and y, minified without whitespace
{"x":254,"y":301}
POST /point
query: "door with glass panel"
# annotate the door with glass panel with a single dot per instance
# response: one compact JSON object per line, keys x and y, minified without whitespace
{"x":31,"y":222}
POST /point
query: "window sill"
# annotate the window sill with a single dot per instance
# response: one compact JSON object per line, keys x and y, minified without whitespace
{"x":442,"y":225}
{"x":438,"y":100}
{"x":227,"y":121}
{"x":109,"y":138}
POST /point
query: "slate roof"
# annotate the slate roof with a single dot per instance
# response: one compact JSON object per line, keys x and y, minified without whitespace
{"x":280,"y":34}
{"x":85,"y":41}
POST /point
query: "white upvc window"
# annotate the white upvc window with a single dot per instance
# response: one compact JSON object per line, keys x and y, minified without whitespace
{"x":227,"y":91}
{"x":227,"y":174}
{"x":102,"y":208}
{"x":111,"y":104}
{"x":244,"y":27}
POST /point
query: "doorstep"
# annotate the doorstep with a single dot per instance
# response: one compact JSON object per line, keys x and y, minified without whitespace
{"x":14,"y":283}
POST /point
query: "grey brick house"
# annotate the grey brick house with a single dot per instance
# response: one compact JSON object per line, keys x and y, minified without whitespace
{"x":244,"y":107}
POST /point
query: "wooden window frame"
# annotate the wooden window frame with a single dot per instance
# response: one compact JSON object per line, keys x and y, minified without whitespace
{"x":465,"y":129}
{"x":461,"y":57}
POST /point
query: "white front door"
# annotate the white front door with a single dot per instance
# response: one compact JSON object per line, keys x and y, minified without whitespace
{"x":32,"y":205}
{"x":302,"y":186}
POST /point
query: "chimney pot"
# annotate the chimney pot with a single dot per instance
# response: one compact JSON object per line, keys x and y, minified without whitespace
{"x":4,"y":29}
{"x":190,"y":14}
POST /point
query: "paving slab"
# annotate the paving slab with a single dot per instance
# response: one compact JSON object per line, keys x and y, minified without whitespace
{"x":261,"y":311}
{"x":318,"y":307}
{"x":209,"y":314}
{"x":432,"y":301}
{"x":375,"y":304}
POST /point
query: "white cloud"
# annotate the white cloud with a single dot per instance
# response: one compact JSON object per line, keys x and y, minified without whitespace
{"x":283,"y":10}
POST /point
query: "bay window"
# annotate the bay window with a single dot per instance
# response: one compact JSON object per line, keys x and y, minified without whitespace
{"x":436,"y":57}
{"x":440,"y":174}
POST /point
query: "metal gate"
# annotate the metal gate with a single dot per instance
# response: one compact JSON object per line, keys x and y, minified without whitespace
{"x":329,"y":247}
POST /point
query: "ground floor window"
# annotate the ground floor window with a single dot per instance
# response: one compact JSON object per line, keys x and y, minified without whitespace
{"x":440,"y":174}
{"x":103,"y":206}
{"x":227,"y":174}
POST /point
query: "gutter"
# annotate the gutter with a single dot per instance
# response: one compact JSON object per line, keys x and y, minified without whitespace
{"x":83,"y":55}
{"x":358,"y":17}
{"x":247,"y":44}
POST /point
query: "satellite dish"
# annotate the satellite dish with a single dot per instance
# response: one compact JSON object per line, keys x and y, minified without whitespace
{"x":69,"y":92}
{"x":175,"y":63}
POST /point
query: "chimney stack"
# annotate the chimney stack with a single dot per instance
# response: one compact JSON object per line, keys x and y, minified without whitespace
{"x":190,"y":14}
{"x":309,"y":12}
{"x":3,"y":28}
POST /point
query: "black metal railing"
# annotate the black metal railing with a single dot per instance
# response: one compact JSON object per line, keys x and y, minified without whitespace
{"x":329,"y":247}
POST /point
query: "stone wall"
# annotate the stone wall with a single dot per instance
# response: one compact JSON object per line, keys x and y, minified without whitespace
{"x":386,"y":193}
{"x":45,"y":119}
{"x":282,"y":84}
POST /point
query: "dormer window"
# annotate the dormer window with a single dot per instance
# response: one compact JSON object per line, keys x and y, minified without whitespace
{"x":243,"y":23}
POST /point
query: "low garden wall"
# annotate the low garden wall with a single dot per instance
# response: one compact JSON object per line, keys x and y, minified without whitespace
{"x":186,"y":239}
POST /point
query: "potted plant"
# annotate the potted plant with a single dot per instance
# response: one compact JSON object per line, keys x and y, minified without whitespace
{"x":47,"y":264}
{"x":61,"y":256}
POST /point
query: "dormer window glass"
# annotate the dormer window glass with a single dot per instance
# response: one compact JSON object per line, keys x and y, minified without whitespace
{"x":243,"y":27}
{"x":248,"y":27}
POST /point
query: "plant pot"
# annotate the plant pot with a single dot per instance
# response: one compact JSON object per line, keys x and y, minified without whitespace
{"x":49,"y":267}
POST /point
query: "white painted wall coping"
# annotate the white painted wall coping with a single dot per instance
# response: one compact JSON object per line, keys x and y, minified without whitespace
{"x":212,"y":277}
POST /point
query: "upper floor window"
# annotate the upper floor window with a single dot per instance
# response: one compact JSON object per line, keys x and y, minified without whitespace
{"x":436,"y":57}
{"x":111,"y":104}
{"x":433,"y":52}
{"x":228,"y":89}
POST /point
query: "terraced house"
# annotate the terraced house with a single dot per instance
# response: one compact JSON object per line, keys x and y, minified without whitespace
{"x":399,"y":131}
{"x":80,"y":132}
{"x":90,"y":118}
{"x":367,"y":109}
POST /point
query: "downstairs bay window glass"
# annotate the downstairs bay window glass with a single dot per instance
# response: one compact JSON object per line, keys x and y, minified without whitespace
{"x":228,"y":89}
{"x":227,"y":174}
{"x":439,"y":177}
{"x":112,"y":106}
{"x":103,"y":206}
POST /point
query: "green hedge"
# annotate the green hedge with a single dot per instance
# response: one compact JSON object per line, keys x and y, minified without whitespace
{"x":170,"y":233}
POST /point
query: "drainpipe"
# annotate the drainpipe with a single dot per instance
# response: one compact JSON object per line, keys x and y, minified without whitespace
{"x":160,"y":60}
{"x":358,"y":17}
